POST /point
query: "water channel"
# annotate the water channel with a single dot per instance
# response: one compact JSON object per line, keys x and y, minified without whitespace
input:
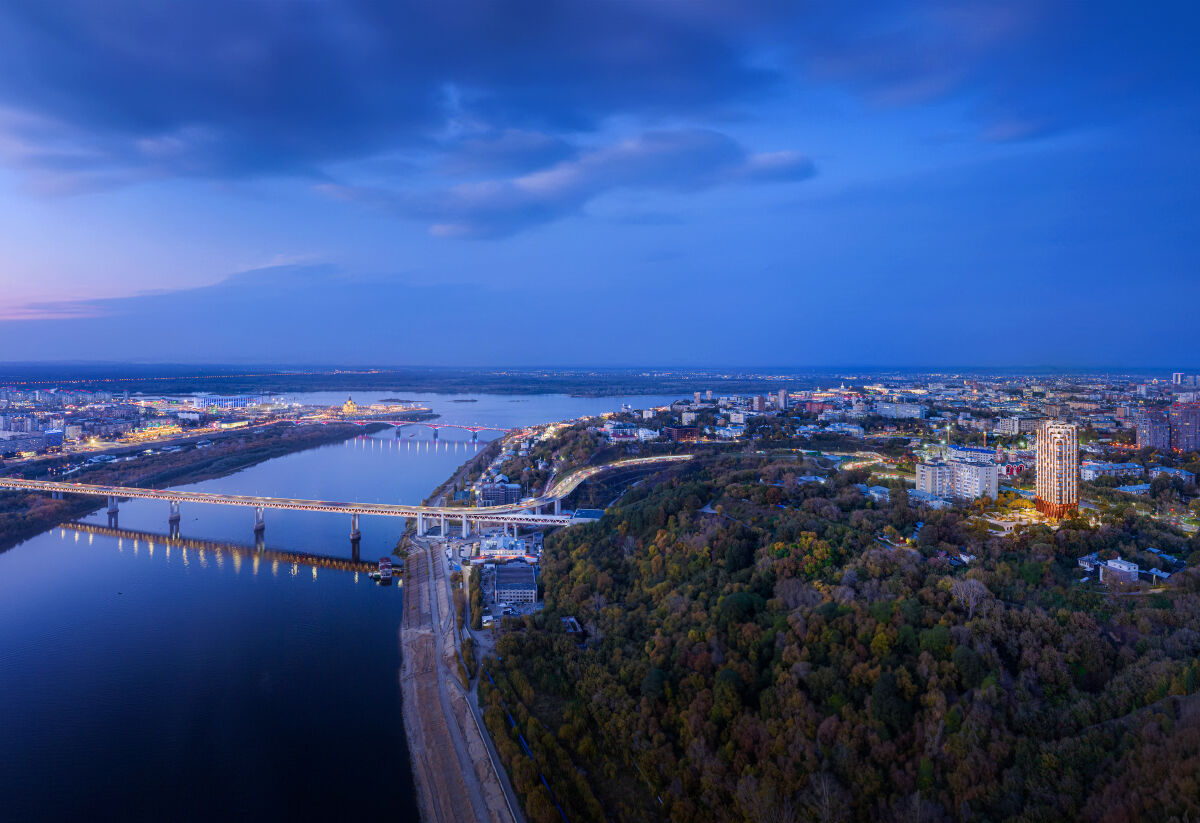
{"x":146,"y":682}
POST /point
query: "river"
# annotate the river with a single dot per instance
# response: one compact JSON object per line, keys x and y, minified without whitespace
{"x":145,"y":681}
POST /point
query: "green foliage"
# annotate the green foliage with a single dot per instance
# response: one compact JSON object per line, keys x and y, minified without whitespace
{"x":888,"y":704}
{"x":971,"y":666}
{"x":936,"y":641}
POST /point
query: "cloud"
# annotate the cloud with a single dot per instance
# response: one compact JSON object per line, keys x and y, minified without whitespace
{"x":226,"y":88}
{"x":504,"y":152}
{"x":100,"y":95}
{"x":673,"y":161}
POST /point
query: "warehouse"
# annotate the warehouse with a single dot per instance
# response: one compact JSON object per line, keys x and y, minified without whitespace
{"x":516,"y":583}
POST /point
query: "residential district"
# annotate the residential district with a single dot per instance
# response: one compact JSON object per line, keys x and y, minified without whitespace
{"x":1019,"y":452}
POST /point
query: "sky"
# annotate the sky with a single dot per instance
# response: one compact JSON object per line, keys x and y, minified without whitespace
{"x":675,"y":182}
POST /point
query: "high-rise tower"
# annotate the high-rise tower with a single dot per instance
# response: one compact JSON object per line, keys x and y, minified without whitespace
{"x":1153,"y":429}
{"x":1057,"y":468}
{"x":1185,"y":427}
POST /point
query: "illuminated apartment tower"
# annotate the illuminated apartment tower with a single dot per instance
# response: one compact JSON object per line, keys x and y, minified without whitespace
{"x":1057,"y":468}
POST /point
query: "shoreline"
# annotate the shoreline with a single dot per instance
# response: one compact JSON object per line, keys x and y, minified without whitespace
{"x":25,"y":515}
{"x":453,"y":769}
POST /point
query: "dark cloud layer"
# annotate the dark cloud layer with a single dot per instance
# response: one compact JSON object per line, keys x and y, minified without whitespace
{"x":95,"y":95}
{"x":228,"y":87}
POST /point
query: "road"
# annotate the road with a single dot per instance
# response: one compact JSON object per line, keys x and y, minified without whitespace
{"x":457,"y":778}
{"x":514,"y":512}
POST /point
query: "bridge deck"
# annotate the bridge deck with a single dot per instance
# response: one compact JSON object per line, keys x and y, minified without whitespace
{"x":512,"y":513}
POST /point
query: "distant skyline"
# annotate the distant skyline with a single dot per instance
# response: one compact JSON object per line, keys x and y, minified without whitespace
{"x":933,"y":183}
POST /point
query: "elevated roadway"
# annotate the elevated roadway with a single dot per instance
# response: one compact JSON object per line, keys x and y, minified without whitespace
{"x":525,"y":513}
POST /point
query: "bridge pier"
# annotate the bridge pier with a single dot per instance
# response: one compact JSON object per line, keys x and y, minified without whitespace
{"x":420,"y":525}
{"x":260,"y":524}
{"x":558,"y":506}
{"x":173,"y":519}
{"x":442,"y":528}
{"x":474,"y":437}
{"x":355,"y":534}
{"x":435,"y":434}
{"x":113,"y":510}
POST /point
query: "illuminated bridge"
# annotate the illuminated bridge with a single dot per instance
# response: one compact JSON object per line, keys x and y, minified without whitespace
{"x":429,"y":424}
{"x":525,"y":513}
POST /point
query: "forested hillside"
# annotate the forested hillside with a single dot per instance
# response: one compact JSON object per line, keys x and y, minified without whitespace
{"x":773,"y":660}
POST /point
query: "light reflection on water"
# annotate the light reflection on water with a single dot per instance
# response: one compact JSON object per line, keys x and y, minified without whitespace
{"x":210,"y":677}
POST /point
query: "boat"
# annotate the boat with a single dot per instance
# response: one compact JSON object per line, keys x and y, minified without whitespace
{"x":385,"y":571}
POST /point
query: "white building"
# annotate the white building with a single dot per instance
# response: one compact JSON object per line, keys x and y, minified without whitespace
{"x":1016,"y":425}
{"x":934,"y":478}
{"x":970,"y":481}
{"x":502,"y":547}
{"x":957,"y":478}
{"x":1090,"y":470}
{"x":1119,"y":571}
{"x":900,"y":411}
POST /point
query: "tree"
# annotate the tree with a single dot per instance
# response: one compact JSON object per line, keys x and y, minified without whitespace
{"x":825,"y":798}
{"x":888,"y":703}
{"x":969,"y":593}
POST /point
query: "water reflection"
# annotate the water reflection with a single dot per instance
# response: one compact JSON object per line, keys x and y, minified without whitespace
{"x":218,"y":549}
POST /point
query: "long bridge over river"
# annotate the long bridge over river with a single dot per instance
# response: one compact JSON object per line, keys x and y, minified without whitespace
{"x":433,"y":425}
{"x":526,"y":513}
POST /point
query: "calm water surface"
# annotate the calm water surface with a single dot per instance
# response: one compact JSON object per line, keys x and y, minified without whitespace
{"x":141,"y":681}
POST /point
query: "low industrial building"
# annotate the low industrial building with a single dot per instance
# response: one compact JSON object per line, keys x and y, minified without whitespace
{"x":516,"y":583}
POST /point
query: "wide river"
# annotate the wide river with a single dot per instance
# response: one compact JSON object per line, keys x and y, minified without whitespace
{"x":141,"y":681}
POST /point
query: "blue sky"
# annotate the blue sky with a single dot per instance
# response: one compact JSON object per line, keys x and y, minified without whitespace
{"x":679,"y":182}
